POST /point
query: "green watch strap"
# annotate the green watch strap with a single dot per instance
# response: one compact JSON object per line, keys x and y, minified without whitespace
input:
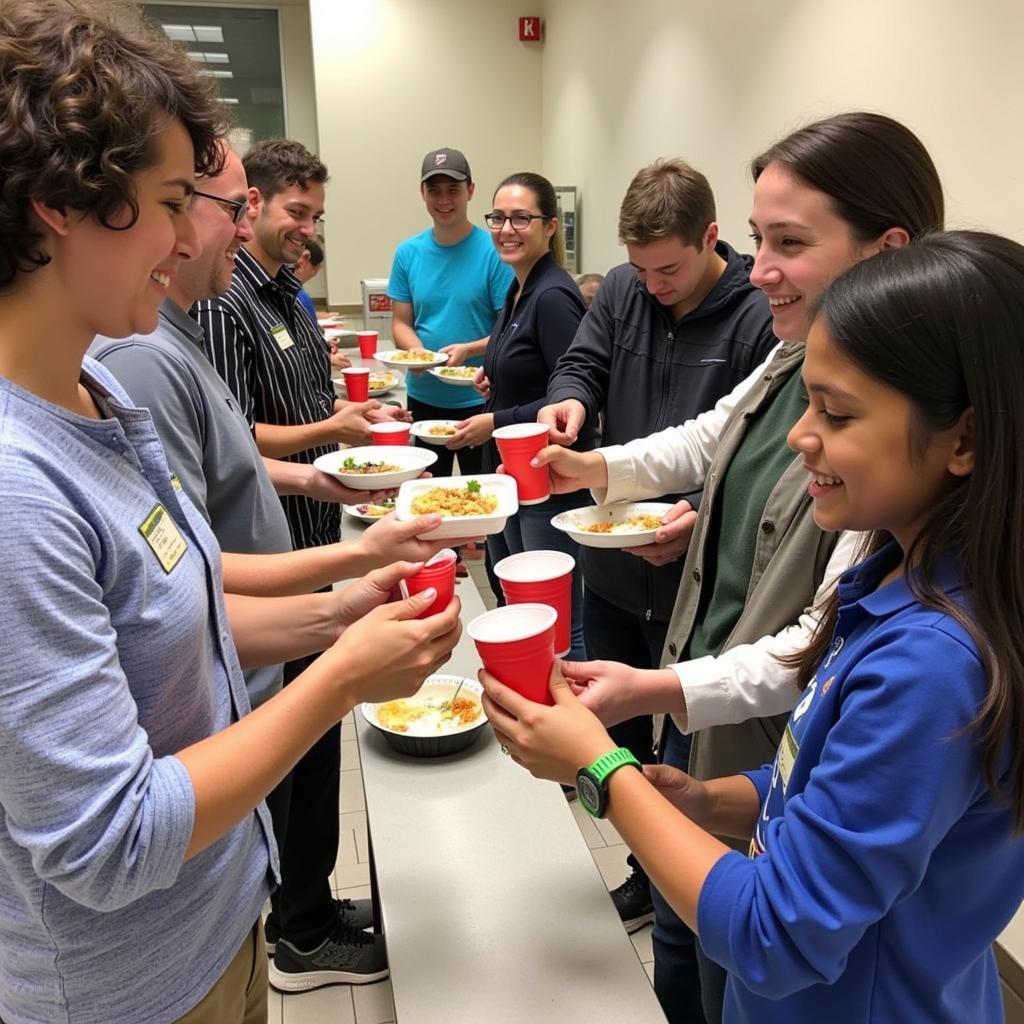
{"x":610,"y":762}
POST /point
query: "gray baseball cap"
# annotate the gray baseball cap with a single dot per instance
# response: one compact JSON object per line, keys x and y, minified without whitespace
{"x":448,"y":162}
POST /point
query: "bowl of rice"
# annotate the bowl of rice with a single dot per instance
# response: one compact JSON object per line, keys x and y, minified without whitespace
{"x":622,"y":525}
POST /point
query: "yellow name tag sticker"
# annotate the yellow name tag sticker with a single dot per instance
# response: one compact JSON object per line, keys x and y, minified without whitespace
{"x":788,"y":749}
{"x":282,"y":337}
{"x":164,"y":537}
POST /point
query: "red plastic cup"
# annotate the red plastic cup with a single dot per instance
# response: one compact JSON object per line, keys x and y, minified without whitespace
{"x":390,"y":433}
{"x":437,"y":572}
{"x":542,"y":577}
{"x":357,"y":383}
{"x":367,"y":343}
{"x":518,"y":444}
{"x":517,"y":646}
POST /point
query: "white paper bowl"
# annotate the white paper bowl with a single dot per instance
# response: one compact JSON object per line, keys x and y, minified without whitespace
{"x":344,"y":338}
{"x":398,"y":359}
{"x":412,"y":460}
{"x":355,"y":513}
{"x":393,"y":382}
{"x":421,"y":429}
{"x":459,"y":382}
{"x":575,"y":521}
{"x":389,"y":382}
{"x":503,"y":487}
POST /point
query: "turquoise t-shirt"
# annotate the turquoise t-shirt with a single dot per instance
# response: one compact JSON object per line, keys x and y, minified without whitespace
{"x":456,"y":292}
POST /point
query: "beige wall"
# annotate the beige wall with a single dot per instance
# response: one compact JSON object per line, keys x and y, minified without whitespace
{"x":715,"y":82}
{"x":615,"y":85}
{"x":397,"y":78}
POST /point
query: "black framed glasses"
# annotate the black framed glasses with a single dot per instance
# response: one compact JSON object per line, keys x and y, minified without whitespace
{"x":520,"y":221}
{"x":234,"y":208}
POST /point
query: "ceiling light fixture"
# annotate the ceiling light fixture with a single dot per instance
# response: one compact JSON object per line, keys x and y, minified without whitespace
{"x":208,"y":33}
{"x":180,"y":33}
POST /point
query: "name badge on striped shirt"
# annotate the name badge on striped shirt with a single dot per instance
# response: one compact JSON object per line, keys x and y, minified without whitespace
{"x":282,"y":337}
{"x":164,"y":537}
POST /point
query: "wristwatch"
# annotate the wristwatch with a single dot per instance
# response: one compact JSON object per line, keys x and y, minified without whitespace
{"x":592,"y":782}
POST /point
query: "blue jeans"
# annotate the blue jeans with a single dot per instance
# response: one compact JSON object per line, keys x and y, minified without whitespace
{"x":530,"y":529}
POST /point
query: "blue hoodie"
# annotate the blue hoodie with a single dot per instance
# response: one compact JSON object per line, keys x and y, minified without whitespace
{"x":882,"y":866}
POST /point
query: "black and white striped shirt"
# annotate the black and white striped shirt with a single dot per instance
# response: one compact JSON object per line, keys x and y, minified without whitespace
{"x":273,"y":356}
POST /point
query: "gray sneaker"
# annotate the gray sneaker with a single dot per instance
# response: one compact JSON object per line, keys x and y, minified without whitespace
{"x":358,"y":913}
{"x":347,"y":956}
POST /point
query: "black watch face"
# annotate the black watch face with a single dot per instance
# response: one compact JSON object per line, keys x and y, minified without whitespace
{"x":589,"y":793}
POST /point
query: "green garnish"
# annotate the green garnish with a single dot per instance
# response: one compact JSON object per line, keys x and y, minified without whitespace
{"x":473,"y":486}
{"x":352,"y":466}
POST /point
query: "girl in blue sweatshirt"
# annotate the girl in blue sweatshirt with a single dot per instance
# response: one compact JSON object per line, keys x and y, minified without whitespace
{"x":884,"y":855}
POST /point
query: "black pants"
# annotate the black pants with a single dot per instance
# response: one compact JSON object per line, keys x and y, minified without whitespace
{"x":615,"y":634}
{"x":677,"y":969}
{"x":304,"y":809}
{"x":470,"y":459}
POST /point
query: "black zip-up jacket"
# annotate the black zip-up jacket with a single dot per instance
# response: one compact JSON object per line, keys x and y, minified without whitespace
{"x":527,"y":340}
{"x":645,"y":372}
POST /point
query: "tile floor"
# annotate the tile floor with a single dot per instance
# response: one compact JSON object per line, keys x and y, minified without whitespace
{"x":372,"y":1004}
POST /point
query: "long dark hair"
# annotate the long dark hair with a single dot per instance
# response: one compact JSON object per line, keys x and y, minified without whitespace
{"x":547,"y":205}
{"x":877,"y":175}
{"x":875,"y":171}
{"x":940,"y":322}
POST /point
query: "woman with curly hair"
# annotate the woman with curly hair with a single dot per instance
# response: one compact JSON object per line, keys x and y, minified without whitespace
{"x":135,"y":848}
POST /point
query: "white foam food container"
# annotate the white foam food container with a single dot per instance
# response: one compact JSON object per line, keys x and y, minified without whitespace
{"x":501,"y":486}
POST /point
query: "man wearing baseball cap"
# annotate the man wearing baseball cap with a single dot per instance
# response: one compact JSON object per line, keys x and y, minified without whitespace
{"x":447,"y":285}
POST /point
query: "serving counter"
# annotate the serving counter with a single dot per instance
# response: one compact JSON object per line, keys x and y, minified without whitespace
{"x":491,"y":903}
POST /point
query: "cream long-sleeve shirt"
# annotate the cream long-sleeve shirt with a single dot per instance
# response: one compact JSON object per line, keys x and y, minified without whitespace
{"x":746,"y":681}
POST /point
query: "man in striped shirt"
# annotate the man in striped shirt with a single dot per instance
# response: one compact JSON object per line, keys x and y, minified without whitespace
{"x":274,"y":359}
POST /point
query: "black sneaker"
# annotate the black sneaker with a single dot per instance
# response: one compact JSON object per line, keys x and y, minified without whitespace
{"x":632,"y":900}
{"x":358,"y":913}
{"x":347,"y":956}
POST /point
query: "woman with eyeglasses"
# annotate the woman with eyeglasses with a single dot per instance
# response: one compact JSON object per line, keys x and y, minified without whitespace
{"x":537,"y":324}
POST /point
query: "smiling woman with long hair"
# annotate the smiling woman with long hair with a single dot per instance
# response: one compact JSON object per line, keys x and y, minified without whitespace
{"x":536,"y":325}
{"x":757,"y":568}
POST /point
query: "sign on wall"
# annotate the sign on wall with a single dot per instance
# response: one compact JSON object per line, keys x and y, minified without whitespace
{"x":530,"y":30}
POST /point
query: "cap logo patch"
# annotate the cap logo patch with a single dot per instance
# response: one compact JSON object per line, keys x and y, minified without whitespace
{"x":440,"y":158}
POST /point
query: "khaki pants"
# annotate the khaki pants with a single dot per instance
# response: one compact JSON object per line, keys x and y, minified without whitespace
{"x":240,"y":994}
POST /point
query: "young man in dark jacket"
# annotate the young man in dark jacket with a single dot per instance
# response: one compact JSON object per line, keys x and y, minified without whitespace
{"x":668,"y":334}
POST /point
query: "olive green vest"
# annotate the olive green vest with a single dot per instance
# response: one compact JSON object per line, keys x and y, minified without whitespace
{"x":790,"y":558}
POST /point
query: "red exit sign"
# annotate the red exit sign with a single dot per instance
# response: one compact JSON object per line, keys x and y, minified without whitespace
{"x":530,"y":30}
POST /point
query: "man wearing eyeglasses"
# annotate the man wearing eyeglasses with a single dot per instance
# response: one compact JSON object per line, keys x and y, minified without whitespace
{"x":447,"y":285}
{"x":274,"y":359}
